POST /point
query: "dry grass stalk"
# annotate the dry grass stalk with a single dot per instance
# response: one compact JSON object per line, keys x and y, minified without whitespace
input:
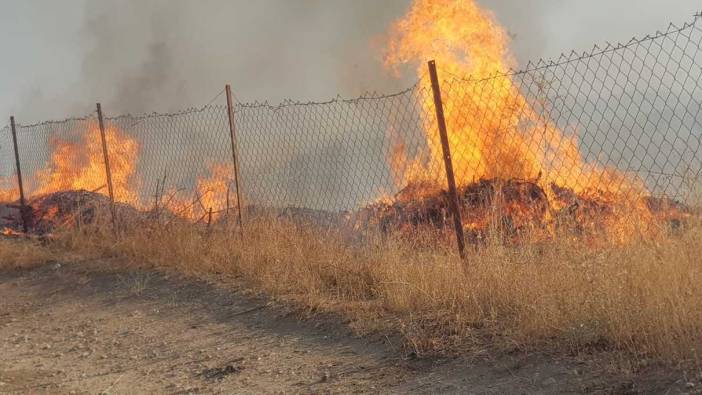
{"x":641,"y":298}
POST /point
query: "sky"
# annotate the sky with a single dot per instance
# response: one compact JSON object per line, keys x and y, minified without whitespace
{"x":141,"y":56}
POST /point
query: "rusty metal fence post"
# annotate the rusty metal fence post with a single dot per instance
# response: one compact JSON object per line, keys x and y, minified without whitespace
{"x":232,"y":135}
{"x":453,"y":194}
{"x":24,"y":212}
{"x":108,"y":172}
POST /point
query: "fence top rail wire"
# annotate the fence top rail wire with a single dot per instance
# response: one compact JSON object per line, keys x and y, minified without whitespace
{"x":574,"y":56}
{"x":368,"y":96}
{"x":55,"y":122}
{"x":136,"y":117}
{"x":175,"y":114}
{"x":558,"y":126}
{"x":531,"y":66}
{"x":187,"y":111}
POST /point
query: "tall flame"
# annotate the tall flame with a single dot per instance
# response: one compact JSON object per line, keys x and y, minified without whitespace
{"x":494,"y":132}
{"x":212,"y":192}
{"x":8,"y":189}
{"x":81,"y":165}
{"x":76,"y":165}
{"x":215,"y":190}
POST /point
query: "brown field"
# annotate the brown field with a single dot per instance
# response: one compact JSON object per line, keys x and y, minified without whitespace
{"x":641,"y":299}
{"x":622,"y":317}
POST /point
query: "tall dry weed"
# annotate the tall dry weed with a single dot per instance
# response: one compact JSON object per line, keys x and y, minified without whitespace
{"x":640,"y":298}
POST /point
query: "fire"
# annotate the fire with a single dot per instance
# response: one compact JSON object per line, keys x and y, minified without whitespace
{"x":213,"y":192}
{"x":75,"y":166}
{"x":78,"y":164}
{"x":8,"y":232}
{"x":81,"y":165}
{"x":494,"y":131}
{"x":466,"y":40}
{"x":8,"y":189}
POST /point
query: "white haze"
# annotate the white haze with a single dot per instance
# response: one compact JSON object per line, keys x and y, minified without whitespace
{"x":59,"y":58}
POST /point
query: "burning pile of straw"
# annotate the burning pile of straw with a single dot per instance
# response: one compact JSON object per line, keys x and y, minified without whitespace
{"x":518,"y":209}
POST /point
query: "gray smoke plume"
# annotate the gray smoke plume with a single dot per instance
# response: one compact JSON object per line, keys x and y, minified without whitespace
{"x":160,"y":55}
{"x":169,"y":54}
{"x":166,"y":55}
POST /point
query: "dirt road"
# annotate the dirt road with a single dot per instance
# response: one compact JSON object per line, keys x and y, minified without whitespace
{"x":89,"y":329}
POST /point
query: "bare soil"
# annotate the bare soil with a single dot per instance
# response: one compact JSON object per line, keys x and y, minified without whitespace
{"x":97,"y":328}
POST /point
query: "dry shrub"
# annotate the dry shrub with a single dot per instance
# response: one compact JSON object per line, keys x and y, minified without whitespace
{"x":16,"y":254}
{"x":640,"y":298}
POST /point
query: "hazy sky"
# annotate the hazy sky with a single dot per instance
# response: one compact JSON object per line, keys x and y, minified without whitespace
{"x":60,"y":57}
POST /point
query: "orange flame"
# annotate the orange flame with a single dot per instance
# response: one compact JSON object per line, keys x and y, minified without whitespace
{"x":81,"y":165}
{"x":9,"y":191}
{"x":215,"y":189}
{"x":485,"y":135}
{"x":75,"y":165}
{"x":9,"y":232}
{"x":494,"y":132}
{"x":214,"y":192}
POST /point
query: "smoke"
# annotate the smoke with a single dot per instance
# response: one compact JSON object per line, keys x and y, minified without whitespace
{"x":160,"y":55}
{"x":167,"y":55}
{"x":132,"y":63}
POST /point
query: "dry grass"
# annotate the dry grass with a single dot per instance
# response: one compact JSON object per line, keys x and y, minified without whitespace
{"x":642,"y":299}
{"x":17,"y":254}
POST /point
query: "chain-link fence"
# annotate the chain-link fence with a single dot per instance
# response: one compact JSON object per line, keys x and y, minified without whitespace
{"x":8,"y":182}
{"x":184,"y":159}
{"x":586,"y":133}
{"x":61,"y":155}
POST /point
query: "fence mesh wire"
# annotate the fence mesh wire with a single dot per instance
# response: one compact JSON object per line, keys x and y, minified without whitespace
{"x":623,"y":120}
{"x":326,"y":156}
{"x":184,"y":159}
{"x":61,"y":155}
{"x":633,"y":108}
{"x":8,"y":182}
